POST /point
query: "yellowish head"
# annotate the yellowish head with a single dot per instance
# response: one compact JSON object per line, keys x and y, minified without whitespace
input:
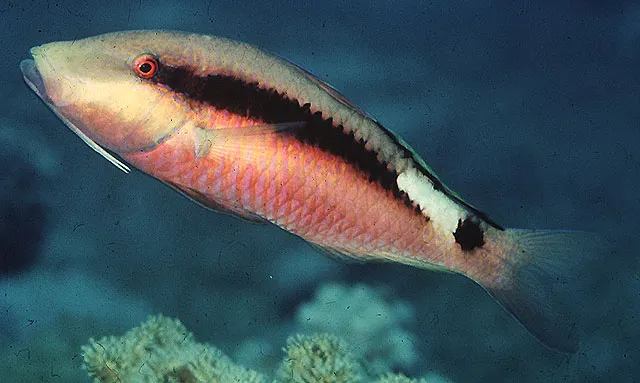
{"x":99,"y":87}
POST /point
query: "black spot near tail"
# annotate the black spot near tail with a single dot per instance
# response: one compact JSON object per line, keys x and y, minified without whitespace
{"x":469,"y":235}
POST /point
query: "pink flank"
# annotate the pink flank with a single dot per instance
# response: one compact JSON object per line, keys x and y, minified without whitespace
{"x":302,"y":189}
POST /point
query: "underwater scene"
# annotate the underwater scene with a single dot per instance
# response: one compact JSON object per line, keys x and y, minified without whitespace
{"x":528,"y":112}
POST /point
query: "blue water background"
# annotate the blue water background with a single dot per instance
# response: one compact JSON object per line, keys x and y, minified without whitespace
{"x":530,"y":110}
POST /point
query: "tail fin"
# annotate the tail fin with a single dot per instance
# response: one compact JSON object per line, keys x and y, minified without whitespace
{"x":543,"y":277}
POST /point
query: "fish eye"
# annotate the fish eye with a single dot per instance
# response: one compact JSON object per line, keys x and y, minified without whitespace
{"x":145,"y":66}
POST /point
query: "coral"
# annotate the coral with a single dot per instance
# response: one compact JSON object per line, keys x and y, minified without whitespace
{"x":360,"y":314}
{"x":318,"y":358}
{"x":162,"y":350}
{"x":401,"y":378}
{"x":398,"y":378}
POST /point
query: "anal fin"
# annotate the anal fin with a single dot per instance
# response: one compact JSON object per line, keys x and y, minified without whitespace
{"x":344,"y":256}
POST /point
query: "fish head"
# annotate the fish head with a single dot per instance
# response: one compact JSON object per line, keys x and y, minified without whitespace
{"x":99,"y":87}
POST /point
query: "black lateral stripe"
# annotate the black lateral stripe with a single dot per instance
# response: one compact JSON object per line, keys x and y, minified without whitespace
{"x":251,"y":101}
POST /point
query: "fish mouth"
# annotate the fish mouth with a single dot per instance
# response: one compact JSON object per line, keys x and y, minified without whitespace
{"x":33,"y":78}
{"x":35,"y":81}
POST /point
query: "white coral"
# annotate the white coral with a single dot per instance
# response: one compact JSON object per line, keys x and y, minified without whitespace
{"x":374,"y":327}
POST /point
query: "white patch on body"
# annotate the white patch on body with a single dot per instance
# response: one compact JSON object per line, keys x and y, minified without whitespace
{"x":443,"y":212}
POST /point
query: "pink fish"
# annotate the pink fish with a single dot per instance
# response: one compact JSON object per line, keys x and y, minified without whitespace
{"x":245,"y":132}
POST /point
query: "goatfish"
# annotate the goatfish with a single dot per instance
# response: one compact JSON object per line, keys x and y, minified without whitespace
{"x":245,"y":132}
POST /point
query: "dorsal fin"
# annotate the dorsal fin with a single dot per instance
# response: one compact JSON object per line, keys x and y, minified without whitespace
{"x":435,"y":180}
{"x":328,"y":88}
{"x":419,"y":162}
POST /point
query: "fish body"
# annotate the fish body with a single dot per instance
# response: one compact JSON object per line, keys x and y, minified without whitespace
{"x":245,"y":132}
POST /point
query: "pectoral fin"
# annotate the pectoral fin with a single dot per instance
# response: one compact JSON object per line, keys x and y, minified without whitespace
{"x":221,"y":140}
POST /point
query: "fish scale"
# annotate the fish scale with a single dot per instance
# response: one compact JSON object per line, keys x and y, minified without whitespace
{"x":338,"y":214}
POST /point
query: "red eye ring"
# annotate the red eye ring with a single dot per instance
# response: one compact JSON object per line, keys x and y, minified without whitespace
{"x":145,"y":66}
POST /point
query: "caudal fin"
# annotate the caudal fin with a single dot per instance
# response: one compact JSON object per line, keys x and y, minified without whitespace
{"x":544,"y":276}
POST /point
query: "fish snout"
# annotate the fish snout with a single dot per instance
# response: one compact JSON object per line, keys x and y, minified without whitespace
{"x":50,"y":74}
